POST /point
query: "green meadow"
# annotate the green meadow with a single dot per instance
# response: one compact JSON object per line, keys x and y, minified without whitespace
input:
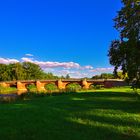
{"x":108,"y":114}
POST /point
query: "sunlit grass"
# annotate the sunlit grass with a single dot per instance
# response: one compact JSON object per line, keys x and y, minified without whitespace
{"x":109,"y":114}
{"x":6,"y":90}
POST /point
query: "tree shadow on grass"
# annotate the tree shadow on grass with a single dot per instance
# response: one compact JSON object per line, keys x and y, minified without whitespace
{"x":84,"y":116}
{"x":125,"y":102}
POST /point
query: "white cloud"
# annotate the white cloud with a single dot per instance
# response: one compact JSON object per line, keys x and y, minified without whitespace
{"x":87,"y":67}
{"x":25,"y":59}
{"x":28,"y":54}
{"x":75,"y":73}
{"x":48,"y":64}
{"x":79,"y":74}
{"x":110,"y":69}
{"x":75,"y":70}
{"x":8,"y":61}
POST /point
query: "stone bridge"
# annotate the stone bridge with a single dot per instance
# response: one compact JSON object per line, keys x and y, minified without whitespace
{"x":62,"y":83}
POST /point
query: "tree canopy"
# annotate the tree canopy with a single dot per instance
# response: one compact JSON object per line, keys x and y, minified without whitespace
{"x":124,"y":52}
{"x":119,"y":75}
{"x":23,"y":71}
{"x":104,"y":76}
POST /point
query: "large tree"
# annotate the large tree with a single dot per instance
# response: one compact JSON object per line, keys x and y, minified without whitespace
{"x":4,"y":75}
{"x":23,"y":71}
{"x":16,"y":71}
{"x":32,"y":71}
{"x":124,"y":53}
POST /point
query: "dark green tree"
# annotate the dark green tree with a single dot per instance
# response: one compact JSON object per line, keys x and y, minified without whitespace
{"x":67,"y":76}
{"x":49,"y":75}
{"x":4,"y":75}
{"x":32,"y":71}
{"x":62,"y":77}
{"x":104,"y":76}
{"x":23,"y":71}
{"x":124,"y":53}
{"x":16,"y":71}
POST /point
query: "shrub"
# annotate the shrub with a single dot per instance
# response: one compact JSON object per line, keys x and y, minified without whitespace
{"x":6,"y":90}
{"x":92,"y":87}
{"x":51,"y":87}
{"x":31,"y":88}
{"x":99,"y":86}
{"x":73,"y":87}
{"x":96,"y":86}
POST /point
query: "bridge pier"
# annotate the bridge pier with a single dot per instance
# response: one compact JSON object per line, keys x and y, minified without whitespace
{"x":21,"y":87}
{"x":85,"y":84}
{"x":40,"y":86}
{"x":60,"y":84}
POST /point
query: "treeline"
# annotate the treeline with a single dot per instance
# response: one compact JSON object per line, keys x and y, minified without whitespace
{"x":119,"y":75}
{"x":23,"y":71}
{"x":31,"y":71}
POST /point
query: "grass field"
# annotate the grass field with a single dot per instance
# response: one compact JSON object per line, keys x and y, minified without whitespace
{"x":110,"y":114}
{"x":5,"y":90}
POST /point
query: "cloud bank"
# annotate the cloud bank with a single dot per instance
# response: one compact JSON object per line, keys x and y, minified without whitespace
{"x":8,"y":60}
{"x":75,"y":70}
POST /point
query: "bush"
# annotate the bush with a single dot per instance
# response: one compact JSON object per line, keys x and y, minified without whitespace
{"x":92,"y":87}
{"x":7,"y":89}
{"x":32,"y":88}
{"x":73,"y":87}
{"x":95,"y":86}
{"x":51,"y":87}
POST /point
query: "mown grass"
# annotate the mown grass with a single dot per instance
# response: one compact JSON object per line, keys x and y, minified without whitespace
{"x":109,"y":114}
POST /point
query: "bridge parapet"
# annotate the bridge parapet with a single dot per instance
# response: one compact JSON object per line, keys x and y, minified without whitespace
{"x":71,"y":80}
{"x":94,"y":80}
{"x":51,"y":80}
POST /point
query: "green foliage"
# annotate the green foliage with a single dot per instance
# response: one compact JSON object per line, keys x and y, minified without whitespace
{"x":49,"y":75}
{"x":51,"y":87}
{"x":67,"y":76}
{"x":73,"y":87}
{"x":119,"y":75}
{"x":23,"y":71}
{"x":32,"y":71}
{"x":96,"y":86}
{"x":32,"y":88}
{"x":104,"y":76}
{"x":124,"y":53}
{"x":16,"y":71}
{"x":91,"y":87}
{"x":4,"y":73}
{"x":6,"y":90}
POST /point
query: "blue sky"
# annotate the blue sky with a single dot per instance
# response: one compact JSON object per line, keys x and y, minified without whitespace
{"x":62,"y":32}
